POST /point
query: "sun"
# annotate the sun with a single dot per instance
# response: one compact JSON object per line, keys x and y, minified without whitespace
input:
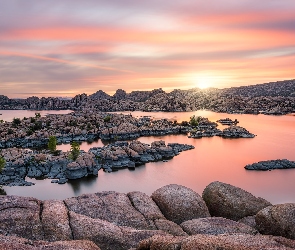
{"x":203,"y":85}
{"x":203,"y":82}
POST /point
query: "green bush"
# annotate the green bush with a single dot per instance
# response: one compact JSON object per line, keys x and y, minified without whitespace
{"x":16,"y":121}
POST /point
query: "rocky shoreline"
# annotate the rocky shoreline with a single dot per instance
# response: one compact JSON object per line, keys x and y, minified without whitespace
{"x":34,"y":132}
{"x":173,"y":217}
{"x":271,"y":165}
{"x":21,"y":163}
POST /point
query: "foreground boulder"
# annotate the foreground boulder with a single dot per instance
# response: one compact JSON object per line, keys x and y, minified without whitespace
{"x":215,"y":226}
{"x":213,"y":242}
{"x":179,"y":203}
{"x":224,"y":200}
{"x":277,"y":220}
{"x":110,"y":206}
{"x":16,"y":243}
{"x":107,"y":235}
{"x":21,"y":216}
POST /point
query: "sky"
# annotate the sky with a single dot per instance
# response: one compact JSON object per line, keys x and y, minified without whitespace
{"x":68,"y":47}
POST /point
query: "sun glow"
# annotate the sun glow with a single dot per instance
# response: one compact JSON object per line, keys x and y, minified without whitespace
{"x":203,"y":82}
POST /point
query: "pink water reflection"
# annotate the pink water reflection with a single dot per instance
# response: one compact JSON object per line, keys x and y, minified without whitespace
{"x":212,"y":159}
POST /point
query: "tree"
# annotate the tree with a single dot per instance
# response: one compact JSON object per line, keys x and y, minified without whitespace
{"x":75,"y":150}
{"x":194,"y":121}
{"x":16,"y":121}
{"x":52,"y":144}
{"x":2,"y":163}
{"x":37,"y":115}
{"x":107,"y":118}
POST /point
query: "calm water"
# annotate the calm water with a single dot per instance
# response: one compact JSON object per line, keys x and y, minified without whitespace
{"x":212,"y":159}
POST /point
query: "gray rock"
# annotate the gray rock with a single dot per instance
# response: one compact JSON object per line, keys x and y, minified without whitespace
{"x":20,"y":216}
{"x":224,"y":200}
{"x":277,"y":220}
{"x":215,"y":226}
{"x":110,"y":206}
{"x":55,"y":221}
{"x":76,"y":173}
{"x":179,"y":203}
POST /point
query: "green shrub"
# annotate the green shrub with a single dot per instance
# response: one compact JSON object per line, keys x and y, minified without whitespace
{"x":52,"y":144}
{"x":75,"y":150}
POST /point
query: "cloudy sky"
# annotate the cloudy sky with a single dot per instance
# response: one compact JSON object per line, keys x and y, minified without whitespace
{"x":66,"y":47}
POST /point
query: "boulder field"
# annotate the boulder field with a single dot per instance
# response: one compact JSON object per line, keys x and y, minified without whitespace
{"x":173,"y":217}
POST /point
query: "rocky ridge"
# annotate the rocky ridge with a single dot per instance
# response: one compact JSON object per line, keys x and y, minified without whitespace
{"x":112,"y":220}
{"x":21,"y":163}
{"x":275,"y":98}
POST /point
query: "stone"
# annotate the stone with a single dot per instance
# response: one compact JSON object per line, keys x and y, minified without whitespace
{"x":179,"y":203}
{"x":214,"y":242}
{"x":277,"y":220}
{"x":225,"y":200}
{"x":17,"y":243}
{"x":145,"y":205}
{"x":169,"y":227}
{"x":215,"y":226}
{"x":249,"y":220}
{"x":20,"y":216}
{"x":106,"y":235}
{"x":55,"y":221}
{"x":110,"y":206}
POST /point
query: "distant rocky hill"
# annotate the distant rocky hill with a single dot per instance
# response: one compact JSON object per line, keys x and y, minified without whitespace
{"x":270,"y":98}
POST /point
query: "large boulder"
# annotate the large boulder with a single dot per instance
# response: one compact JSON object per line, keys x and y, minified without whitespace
{"x":55,"y":221}
{"x":277,"y":220}
{"x":179,"y":203}
{"x":20,"y":216}
{"x":107,"y":235}
{"x":212,"y":242}
{"x":225,"y":200}
{"x":16,"y":243}
{"x":215,"y":226}
{"x":110,"y":206}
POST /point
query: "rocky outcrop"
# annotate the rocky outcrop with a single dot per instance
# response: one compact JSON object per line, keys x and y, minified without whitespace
{"x":236,"y":132}
{"x":270,"y":165}
{"x":277,"y":220}
{"x":116,"y":221}
{"x":224,"y":200}
{"x":179,"y":203}
{"x":205,"y":242}
{"x":215,"y":226}
{"x":21,"y":163}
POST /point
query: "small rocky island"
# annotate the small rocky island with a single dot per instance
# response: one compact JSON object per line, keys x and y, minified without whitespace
{"x":271,"y":165}
{"x":21,"y":163}
{"x":206,"y":128}
{"x":173,"y":217}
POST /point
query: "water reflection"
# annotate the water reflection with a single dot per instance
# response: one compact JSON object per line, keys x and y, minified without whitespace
{"x":212,"y":159}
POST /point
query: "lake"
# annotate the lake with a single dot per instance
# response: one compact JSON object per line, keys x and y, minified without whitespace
{"x":212,"y":159}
